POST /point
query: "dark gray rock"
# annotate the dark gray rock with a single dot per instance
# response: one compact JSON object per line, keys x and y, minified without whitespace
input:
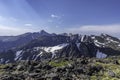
{"x":111,"y":73}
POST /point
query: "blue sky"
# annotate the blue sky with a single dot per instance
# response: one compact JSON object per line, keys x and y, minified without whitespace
{"x":76,"y":16}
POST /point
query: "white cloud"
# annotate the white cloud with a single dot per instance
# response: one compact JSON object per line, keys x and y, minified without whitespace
{"x":54,"y":16}
{"x":7,"y":30}
{"x":2,"y":18}
{"x":28,"y":24}
{"x":95,"y":29}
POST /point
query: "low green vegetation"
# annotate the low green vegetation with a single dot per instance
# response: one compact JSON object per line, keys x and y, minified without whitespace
{"x":111,"y":69}
{"x":58,"y":63}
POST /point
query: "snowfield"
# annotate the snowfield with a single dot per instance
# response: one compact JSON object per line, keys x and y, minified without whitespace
{"x":100,"y":55}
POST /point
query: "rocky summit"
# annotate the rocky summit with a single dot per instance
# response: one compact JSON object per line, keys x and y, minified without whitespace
{"x":83,"y":68}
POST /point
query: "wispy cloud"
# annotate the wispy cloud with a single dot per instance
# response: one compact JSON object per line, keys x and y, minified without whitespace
{"x":94,"y":29}
{"x":7,"y":30}
{"x":57,"y":26}
{"x":54,"y":16}
{"x":28,"y":24}
{"x":2,"y":18}
{"x":50,"y":20}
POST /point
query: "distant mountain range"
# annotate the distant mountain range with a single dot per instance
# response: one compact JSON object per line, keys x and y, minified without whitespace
{"x":42,"y":45}
{"x":11,"y":42}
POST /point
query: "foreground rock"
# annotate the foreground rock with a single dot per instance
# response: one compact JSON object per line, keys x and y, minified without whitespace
{"x":63,"y":69}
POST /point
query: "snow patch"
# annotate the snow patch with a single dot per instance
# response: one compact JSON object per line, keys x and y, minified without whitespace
{"x":54,"y":48}
{"x":111,"y":40}
{"x":98,"y":44}
{"x":78,"y":45}
{"x":118,"y":45}
{"x":33,"y":37}
{"x":1,"y":60}
{"x":82,"y":38}
{"x":93,"y":37}
{"x":33,"y":57}
{"x":96,"y":41}
{"x":114,"y":41}
{"x":100,"y":55}
{"x":18,"y":55}
{"x":7,"y":61}
{"x":38,"y":55}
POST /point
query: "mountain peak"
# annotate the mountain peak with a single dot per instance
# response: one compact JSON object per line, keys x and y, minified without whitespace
{"x":43,"y":32}
{"x":103,"y":34}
